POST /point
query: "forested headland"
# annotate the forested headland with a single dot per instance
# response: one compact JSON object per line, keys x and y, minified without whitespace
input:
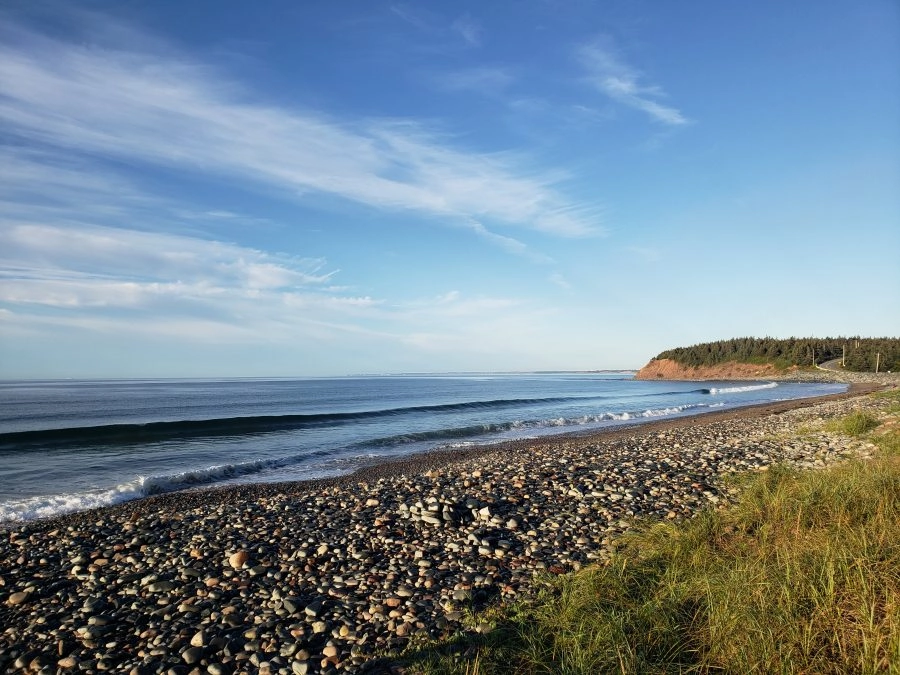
{"x":857,"y":354}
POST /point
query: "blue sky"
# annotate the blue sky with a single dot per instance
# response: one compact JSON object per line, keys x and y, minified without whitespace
{"x":316,"y":188}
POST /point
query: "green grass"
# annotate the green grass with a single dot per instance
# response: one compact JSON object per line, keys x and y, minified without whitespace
{"x":800,"y":575}
{"x":892,"y":395}
{"x":854,"y":424}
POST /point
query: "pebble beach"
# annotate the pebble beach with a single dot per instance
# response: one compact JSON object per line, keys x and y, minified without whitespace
{"x":337,"y":575}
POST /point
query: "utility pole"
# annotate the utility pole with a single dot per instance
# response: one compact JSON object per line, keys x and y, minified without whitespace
{"x":877,"y":359}
{"x":843,"y":356}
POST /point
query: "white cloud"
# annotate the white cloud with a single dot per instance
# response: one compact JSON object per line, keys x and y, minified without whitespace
{"x":412,"y":16}
{"x":55,"y":266}
{"x":41,"y":181}
{"x":483,"y":79}
{"x":116,"y":282}
{"x":645,"y":253}
{"x":559,"y":280}
{"x":608,"y":73}
{"x":469,"y":29}
{"x":509,"y":244}
{"x":159,"y":109}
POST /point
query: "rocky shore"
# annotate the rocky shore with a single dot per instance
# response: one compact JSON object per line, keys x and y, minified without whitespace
{"x":332,"y":576}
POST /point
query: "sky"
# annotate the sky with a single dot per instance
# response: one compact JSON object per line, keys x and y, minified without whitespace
{"x":319,"y":188}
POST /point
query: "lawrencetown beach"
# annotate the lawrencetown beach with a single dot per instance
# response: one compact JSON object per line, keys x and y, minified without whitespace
{"x":345,"y":574}
{"x":418,"y":337}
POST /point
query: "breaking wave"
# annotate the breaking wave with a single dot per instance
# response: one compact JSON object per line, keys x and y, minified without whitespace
{"x":502,"y":427}
{"x":232,"y":426}
{"x":46,"y":506}
{"x":737,"y":390}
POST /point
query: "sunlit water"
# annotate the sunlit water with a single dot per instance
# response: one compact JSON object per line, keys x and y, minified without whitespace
{"x":71,"y":445}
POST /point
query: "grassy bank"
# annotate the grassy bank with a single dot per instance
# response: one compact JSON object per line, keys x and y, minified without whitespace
{"x":800,"y":574}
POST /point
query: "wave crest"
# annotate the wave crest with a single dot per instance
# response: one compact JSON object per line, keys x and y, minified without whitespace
{"x":737,"y":390}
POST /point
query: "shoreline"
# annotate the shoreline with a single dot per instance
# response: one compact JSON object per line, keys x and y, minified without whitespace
{"x":428,"y":460}
{"x":327,"y":576}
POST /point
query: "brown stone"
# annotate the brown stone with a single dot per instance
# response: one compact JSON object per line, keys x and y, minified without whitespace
{"x":18,"y":598}
{"x":238,"y":559}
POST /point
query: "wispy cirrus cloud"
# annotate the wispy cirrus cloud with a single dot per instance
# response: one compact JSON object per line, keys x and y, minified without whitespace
{"x":469,"y":29}
{"x":645,"y":253}
{"x":559,"y":280}
{"x":161,"y":109}
{"x":509,"y":244}
{"x":87,"y":252}
{"x":427,"y":21}
{"x":118,"y":281}
{"x":91,"y":259}
{"x":40,"y":181}
{"x":103,"y":281}
{"x":411,"y":15}
{"x":607,"y":72}
{"x":483,"y":80}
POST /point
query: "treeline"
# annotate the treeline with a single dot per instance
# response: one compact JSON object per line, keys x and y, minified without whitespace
{"x":859,"y":354}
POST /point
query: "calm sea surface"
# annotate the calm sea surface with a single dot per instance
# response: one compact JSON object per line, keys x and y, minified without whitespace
{"x":72,"y":445}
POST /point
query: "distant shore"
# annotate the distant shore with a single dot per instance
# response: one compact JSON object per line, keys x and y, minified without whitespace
{"x":667,"y":369}
{"x":304,"y":576}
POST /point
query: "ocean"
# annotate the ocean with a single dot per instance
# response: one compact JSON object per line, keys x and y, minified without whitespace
{"x":73,"y":445}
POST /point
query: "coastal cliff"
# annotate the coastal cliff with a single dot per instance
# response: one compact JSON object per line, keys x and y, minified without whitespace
{"x":668,"y":369}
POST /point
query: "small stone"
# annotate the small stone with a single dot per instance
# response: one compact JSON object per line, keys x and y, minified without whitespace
{"x":161,"y":587}
{"x":291,"y":605}
{"x":238,"y":559}
{"x":192,"y":655}
{"x":18,"y":598}
{"x":67,"y":662}
{"x":300,"y":667}
{"x":200,"y":639}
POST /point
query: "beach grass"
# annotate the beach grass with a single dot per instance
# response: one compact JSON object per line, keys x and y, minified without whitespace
{"x":854,"y":424}
{"x":801,"y":574}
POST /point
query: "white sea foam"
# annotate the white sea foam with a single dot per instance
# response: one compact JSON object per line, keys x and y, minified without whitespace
{"x":519,"y":425}
{"x":736,"y":390}
{"x":46,"y":506}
